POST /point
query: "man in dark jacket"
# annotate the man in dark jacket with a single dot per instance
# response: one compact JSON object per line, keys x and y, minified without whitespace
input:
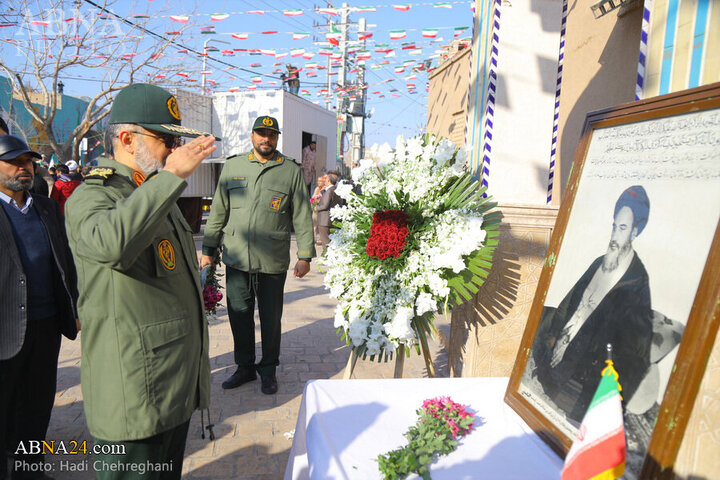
{"x":38,"y":295}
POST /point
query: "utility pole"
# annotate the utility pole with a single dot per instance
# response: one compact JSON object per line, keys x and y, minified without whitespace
{"x":358,"y":118}
{"x":331,"y":24}
{"x":342,"y":83}
{"x":205,"y":54}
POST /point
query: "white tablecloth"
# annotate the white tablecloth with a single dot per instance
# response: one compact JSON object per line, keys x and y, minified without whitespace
{"x":343,"y":425}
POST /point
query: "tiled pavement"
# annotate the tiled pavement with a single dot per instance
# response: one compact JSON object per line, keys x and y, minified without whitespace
{"x":250,"y":427}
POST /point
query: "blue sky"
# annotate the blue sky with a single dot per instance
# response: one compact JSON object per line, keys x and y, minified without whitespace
{"x":398,"y":108}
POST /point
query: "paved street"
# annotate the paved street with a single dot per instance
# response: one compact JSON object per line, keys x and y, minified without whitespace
{"x":251,"y":429}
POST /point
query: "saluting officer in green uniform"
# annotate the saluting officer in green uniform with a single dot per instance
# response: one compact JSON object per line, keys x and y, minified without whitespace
{"x":260,"y":195}
{"x":145,"y":365}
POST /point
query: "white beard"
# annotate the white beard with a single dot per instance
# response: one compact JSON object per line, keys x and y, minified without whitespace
{"x":614,"y":254}
{"x":144,"y":159}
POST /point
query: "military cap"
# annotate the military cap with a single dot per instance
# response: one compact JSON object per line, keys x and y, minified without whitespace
{"x":150,"y":107}
{"x":12,"y":147}
{"x":268,"y":122}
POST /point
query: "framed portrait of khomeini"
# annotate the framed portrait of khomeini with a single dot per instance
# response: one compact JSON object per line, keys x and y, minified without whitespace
{"x":634,"y":264}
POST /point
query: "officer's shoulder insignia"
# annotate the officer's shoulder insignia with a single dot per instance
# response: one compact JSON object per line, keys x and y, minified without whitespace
{"x":138,"y":177}
{"x":100,"y":173}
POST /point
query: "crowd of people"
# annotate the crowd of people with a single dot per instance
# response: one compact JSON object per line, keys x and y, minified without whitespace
{"x":107,"y":250}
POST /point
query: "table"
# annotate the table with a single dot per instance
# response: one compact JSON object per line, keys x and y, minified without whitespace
{"x":343,"y":425}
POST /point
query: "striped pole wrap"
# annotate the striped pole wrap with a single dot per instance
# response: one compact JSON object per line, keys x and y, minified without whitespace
{"x":643,"y":50}
{"x":491,"y":92}
{"x":469,"y":96}
{"x":556,"y":117}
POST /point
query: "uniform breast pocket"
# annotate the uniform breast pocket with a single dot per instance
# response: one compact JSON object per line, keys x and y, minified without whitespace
{"x":237,"y":192}
{"x":277,"y":198}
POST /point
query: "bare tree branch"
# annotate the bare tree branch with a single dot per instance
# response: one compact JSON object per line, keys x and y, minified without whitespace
{"x":63,"y":39}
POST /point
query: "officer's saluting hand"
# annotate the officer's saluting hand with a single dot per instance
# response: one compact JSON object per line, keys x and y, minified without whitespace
{"x":184,"y":160}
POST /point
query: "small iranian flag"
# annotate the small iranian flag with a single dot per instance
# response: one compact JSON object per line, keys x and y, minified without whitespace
{"x":364,"y":35}
{"x":402,"y":8}
{"x":459,"y":31}
{"x":397,"y":34}
{"x":366,"y":9}
{"x":240,"y":36}
{"x":442,"y":5}
{"x":256,"y":79}
{"x":598,"y":452}
{"x":218,"y":17}
{"x":259,"y":12}
{"x":328,"y":11}
{"x":429,"y":32}
{"x":280,"y":55}
{"x":300,"y":35}
{"x":297,"y":52}
{"x":292,"y":13}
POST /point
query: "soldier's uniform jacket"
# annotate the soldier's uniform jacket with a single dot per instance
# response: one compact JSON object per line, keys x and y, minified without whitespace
{"x":255,"y":205}
{"x":145,"y":365}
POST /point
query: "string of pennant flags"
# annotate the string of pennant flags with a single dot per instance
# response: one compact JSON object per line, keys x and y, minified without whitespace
{"x":370,"y":50}
{"x":298,"y":12}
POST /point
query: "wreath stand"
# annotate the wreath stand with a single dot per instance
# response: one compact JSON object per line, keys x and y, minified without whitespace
{"x":399,"y":360}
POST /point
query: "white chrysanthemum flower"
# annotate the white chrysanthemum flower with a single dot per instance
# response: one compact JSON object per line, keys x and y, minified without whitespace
{"x":344,"y":189}
{"x":400,"y":327}
{"x":425,"y":303}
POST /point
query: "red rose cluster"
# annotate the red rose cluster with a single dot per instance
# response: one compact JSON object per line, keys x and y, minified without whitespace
{"x":388,"y":234}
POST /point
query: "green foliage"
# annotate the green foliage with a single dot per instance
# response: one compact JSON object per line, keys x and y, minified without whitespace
{"x":429,"y":438}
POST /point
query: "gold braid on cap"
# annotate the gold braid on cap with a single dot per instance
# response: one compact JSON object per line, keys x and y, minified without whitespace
{"x":180,"y":129}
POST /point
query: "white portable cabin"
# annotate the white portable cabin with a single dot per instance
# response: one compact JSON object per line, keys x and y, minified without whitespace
{"x":300,"y":120}
{"x":197,"y":113}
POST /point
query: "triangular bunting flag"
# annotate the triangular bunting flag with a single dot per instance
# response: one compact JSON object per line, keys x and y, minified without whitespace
{"x":459,"y":31}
